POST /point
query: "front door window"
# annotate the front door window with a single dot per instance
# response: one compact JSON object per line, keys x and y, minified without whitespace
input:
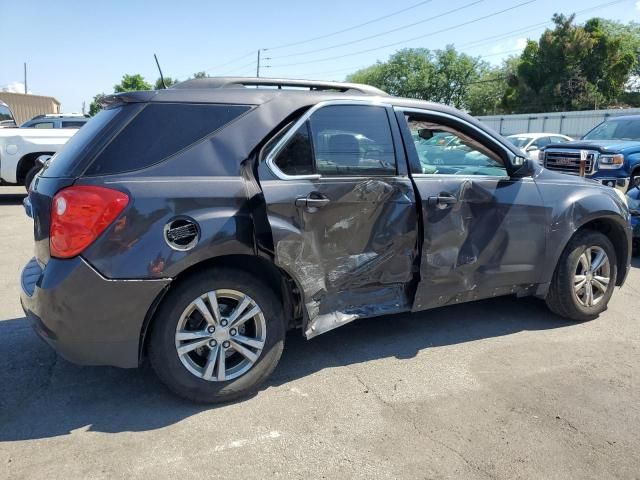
{"x":445,"y":150}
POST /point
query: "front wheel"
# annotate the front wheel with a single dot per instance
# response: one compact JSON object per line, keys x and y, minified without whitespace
{"x":585,"y":277}
{"x":217,"y":336}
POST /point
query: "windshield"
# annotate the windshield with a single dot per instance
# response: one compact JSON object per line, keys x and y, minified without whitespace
{"x":616,"y":130}
{"x":6,"y":117}
{"x":5,"y":113}
{"x":519,"y":142}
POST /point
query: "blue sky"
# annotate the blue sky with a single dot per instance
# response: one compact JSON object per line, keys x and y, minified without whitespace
{"x":75,"y":49}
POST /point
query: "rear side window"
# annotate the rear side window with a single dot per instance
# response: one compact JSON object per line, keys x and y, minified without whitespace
{"x":341,"y":140}
{"x":159,"y":131}
{"x":296,"y":158}
{"x":43,"y":125}
{"x":73,"y":124}
{"x":353,"y":140}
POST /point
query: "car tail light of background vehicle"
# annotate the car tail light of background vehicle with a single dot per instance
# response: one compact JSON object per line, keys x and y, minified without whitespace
{"x":79,"y":215}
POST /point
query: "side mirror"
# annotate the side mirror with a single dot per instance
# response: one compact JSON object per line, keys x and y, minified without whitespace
{"x":425,"y":134}
{"x":524,"y":167}
{"x":532,"y":148}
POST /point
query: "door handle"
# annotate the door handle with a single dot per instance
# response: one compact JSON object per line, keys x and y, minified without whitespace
{"x":312,"y":201}
{"x":442,"y":201}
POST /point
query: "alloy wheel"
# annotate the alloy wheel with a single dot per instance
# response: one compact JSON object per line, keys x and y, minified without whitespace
{"x":592,"y":276}
{"x":220,"y":335}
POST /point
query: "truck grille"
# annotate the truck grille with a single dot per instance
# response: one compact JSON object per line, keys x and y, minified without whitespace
{"x":568,"y":162}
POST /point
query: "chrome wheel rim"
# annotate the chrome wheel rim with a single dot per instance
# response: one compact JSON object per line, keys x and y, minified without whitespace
{"x":592,"y":277}
{"x":220,"y":335}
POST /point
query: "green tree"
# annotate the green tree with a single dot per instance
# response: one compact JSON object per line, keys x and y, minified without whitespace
{"x":168,"y":81}
{"x":200,"y":75}
{"x":487,"y":94}
{"x":131,"y":83}
{"x":443,"y":76}
{"x":573,"y":67}
{"x":96,"y":104}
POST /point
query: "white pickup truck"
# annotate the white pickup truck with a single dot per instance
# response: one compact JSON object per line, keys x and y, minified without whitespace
{"x":20,"y":149}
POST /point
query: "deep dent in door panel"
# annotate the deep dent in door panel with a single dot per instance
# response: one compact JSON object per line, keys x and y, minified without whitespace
{"x":370,"y":251}
{"x":470,"y":250}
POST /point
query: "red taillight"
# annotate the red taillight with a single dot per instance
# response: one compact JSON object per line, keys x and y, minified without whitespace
{"x":79,"y":215}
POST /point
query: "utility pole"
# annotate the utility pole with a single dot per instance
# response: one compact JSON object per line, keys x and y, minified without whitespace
{"x":25,"y":78}
{"x":258,"y":65}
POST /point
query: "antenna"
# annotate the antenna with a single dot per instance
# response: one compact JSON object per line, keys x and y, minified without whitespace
{"x":160,"y":70}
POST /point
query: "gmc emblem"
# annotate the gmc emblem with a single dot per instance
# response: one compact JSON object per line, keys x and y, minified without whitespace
{"x":564,"y":161}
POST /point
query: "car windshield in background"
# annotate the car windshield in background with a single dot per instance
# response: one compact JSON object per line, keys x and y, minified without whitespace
{"x":616,"y":130}
{"x":5,"y":113}
{"x":519,"y":142}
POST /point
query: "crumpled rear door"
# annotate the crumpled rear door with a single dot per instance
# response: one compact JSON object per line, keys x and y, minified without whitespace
{"x":353,"y":257}
{"x":350,"y":242}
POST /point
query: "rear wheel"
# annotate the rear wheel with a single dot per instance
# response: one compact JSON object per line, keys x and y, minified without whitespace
{"x":584,"y":278}
{"x":217,"y":336}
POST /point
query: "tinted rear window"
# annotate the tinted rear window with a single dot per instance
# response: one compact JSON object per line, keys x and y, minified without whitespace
{"x":77,"y":149}
{"x":159,"y":131}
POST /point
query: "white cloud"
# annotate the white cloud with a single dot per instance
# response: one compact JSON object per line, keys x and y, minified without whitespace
{"x":14,"y":87}
{"x":638,"y":5}
{"x":508,"y":47}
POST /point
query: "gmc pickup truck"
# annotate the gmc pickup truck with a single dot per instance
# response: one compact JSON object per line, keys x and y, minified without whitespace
{"x":611,"y":153}
{"x":20,"y":149}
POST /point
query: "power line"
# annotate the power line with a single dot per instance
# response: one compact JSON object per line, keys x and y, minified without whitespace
{"x":217,"y":67}
{"x":474,"y":43}
{"x":475,"y":20}
{"x":362,"y":68}
{"x":387,"y":32}
{"x":320,"y":37}
{"x":252,"y":63}
{"x":535,"y":26}
{"x":500,"y":36}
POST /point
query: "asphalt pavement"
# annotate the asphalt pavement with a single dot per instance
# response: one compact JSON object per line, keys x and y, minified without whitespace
{"x":499,"y":389}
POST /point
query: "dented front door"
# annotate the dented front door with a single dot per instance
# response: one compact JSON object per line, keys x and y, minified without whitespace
{"x":345,"y":227}
{"x":484,"y":232}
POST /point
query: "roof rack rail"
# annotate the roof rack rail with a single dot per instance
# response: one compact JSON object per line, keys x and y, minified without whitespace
{"x":278,"y":83}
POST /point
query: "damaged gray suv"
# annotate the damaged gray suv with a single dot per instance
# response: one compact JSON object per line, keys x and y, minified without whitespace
{"x":195,"y":225}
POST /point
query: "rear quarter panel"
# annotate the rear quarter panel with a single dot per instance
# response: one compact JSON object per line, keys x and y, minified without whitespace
{"x":134,"y":246}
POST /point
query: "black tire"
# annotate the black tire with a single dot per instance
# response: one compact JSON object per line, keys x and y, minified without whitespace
{"x":31,"y":175}
{"x":164,"y":357}
{"x":561,"y":298}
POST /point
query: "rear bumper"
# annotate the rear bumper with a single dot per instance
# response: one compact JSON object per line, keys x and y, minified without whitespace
{"x":86,"y":318}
